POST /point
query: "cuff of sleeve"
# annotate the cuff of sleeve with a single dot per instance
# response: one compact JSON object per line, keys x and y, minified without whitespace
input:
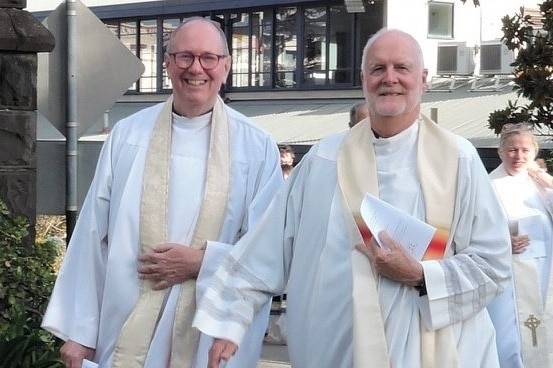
{"x":218,"y":329}
{"x":433,"y":306}
{"x":215,"y":253}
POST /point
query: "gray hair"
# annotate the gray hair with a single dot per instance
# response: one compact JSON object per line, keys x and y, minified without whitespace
{"x":384,"y":31}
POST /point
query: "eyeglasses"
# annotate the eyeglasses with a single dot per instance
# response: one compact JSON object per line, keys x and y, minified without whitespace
{"x":516,"y":127}
{"x":185,"y":59}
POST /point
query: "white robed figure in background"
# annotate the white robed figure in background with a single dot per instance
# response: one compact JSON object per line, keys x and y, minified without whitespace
{"x":523,"y":314}
{"x":176,"y":185}
{"x":351,"y":303}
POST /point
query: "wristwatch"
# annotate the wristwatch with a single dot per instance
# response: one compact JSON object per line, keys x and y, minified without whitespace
{"x":421,"y":288}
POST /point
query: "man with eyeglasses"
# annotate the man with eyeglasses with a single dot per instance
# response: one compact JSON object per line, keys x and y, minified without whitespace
{"x":176,"y":185}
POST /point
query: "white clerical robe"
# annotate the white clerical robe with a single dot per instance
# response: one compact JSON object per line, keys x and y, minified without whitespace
{"x":97,"y":286}
{"x":302,"y":239}
{"x":523,"y":199}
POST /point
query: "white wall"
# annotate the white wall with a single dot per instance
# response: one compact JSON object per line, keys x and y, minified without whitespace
{"x":471,"y":24}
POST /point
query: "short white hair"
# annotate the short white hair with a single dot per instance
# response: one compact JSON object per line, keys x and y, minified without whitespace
{"x":385,"y":31}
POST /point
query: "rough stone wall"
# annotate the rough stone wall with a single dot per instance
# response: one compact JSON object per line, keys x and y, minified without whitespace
{"x":21,"y":37}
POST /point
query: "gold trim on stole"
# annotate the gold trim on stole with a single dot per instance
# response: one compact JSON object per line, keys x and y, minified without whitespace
{"x":135,"y":337}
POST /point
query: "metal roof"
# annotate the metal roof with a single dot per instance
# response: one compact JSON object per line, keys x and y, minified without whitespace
{"x":305,"y":121}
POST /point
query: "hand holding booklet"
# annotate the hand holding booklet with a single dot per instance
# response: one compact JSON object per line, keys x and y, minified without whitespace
{"x":413,"y":234}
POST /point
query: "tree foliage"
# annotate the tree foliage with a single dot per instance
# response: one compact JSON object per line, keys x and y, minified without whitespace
{"x":476,"y":2}
{"x":532,"y":44}
{"x":26,"y":282}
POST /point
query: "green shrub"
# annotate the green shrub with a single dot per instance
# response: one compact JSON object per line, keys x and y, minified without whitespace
{"x":26,"y":282}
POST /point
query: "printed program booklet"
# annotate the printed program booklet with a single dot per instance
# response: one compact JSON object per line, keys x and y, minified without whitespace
{"x":413,"y":234}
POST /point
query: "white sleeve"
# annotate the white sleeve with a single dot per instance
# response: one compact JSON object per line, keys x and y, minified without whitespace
{"x":464,"y":283}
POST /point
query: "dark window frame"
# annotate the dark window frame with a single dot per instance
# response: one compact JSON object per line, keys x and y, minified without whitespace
{"x":353,"y":54}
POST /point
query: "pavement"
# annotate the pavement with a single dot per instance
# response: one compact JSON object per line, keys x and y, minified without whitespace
{"x":274,"y":356}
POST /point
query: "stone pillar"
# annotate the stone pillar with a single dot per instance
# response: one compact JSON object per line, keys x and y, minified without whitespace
{"x":22,"y":36}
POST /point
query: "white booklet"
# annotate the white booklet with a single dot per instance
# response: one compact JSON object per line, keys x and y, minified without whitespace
{"x":413,"y":234}
{"x":88,"y":364}
{"x":531,"y":226}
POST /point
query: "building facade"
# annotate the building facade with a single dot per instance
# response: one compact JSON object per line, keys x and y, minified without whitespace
{"x":296,"y":65}
{"x":296,"y":45}
{"x":292,"y":46}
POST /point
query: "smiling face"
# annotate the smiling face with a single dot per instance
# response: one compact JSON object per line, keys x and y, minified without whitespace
{"x":517,"y":151}
{"x":194,"y":88}
{"x":394,"y":80}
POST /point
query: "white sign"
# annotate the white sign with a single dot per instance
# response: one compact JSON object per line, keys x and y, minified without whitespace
{"x":105,"y":69}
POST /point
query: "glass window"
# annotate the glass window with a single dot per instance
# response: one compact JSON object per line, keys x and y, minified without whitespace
{"x":276,"y":47}
{"x":241,"y":44}
{"x":113,"y":27}
{"x":285,"y":47}
{"x":366,"y":24}
{"x":169,"y":25}
{"x":315,"y":47}
{"x":128,"y":36}
{"x":262,"y":29}
{"x":148,"y":55}
{"x":440,"y":20}
{"x":251,"y":50}
{"x":340,"y":45}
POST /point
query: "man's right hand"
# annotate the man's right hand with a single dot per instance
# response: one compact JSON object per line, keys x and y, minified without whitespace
{"x":519,"y":243}
{"x":72,"y":354}
{"x":220,"y":352}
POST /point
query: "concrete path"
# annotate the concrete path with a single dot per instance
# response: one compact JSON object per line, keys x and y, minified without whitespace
{"x":274,"y":356}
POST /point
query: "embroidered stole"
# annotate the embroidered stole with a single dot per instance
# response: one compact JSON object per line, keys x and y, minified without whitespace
{"x":533,"y":322}
{"x":437,"y":168}
{"x":137,"y":332}
{"x":534,"y":318}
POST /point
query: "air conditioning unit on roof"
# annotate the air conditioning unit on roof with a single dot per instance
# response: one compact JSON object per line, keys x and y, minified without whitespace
{"x":495,"y":58}
{"x":455,"y":58}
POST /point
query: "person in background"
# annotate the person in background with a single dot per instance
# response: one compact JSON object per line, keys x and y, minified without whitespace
{"x":523,"y":314}
{"x":276,"y":331}
{"x":358,"y":112}
{"x":353,"y":303}
{"x":176,"y":185}
{"x":540,"y":161}
{"x":287,"y":157}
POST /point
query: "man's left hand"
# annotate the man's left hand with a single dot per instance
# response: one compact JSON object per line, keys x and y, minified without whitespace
{"x":170,"y":264}
{"x":392,"y":260}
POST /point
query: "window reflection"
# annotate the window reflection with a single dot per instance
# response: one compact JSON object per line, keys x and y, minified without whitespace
{"x":128,"y":36}
{"x":262,"y":28}
{"x":240,"y":49}
{"x":440,"y":20}
{"x":148,"y":54}
{"x":169,"y":25}
{"x":264,"y":46}
{"x":251,"y":45}
{"x":340,"y":47}
{"x":285,"y":47}
{"x":315,"y":44}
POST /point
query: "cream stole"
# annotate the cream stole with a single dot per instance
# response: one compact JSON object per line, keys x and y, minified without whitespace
{"x":534,"y":318}
{"x":136,"y":334}
{"x":437,"y":167}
